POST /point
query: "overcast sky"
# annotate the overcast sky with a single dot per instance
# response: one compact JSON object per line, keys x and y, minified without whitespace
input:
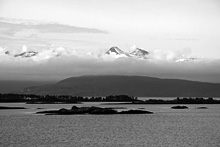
{"x":152,"y":24}
{"x":167,"y":28}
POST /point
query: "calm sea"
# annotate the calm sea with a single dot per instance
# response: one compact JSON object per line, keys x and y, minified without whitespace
{"x":165,"y":128}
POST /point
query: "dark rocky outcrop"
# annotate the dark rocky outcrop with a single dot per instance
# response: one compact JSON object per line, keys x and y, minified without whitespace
{"x":91,"y":110}
{"x":201,"y":108}
{"x":179,"y":107}
{"x":136,"y":112}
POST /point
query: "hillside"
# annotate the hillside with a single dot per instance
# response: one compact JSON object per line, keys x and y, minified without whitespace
{"x":128,"y":85}
{"x":7,"y":86}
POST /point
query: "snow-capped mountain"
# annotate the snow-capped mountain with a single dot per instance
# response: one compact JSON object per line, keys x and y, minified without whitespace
{"x":26,"y":54}
{"x":186,"y":59}
{"x":111,"y":54}
{"x":115,"y":50}
{"x":140,"y":53}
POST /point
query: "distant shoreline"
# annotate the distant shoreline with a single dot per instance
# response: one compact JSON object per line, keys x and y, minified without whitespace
{"x":66,"y":99}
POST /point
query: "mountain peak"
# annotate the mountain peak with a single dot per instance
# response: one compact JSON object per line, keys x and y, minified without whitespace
{"x":115,"y":50}
{"x":26,"y":54}
{"x":140,"y":53}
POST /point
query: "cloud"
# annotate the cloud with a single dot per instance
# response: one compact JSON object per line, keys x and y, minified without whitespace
{"x":171,"y":55}
{"x":10,"y":28}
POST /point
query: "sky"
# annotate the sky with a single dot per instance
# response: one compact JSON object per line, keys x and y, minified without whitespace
{"x":86,"y":29}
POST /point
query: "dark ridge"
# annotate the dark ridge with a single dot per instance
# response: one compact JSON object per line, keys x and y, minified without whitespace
{"x":5,"y":108}
{"x":140,"y":86}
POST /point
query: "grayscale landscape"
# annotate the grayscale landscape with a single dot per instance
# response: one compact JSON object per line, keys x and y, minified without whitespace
{"x":109,"y":73}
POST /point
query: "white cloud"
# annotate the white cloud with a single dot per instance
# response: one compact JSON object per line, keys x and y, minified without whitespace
{"x":171,"y":55}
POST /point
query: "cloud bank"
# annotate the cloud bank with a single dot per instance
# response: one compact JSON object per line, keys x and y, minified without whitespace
{"x":11,"y":27}
{"x":57,"y":63}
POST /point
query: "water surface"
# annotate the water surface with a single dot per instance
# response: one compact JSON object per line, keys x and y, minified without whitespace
{"x":165,"y":128}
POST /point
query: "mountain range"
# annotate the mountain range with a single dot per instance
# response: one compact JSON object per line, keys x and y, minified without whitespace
{"x":141,"y":86}
{"x":140,"y":53}
{"x":114,"y":52}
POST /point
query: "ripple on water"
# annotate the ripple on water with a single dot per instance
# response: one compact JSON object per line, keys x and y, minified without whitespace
{"x":160,"y":129}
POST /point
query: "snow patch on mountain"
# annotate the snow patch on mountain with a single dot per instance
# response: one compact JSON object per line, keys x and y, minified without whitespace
{"x":116,"y":52}
{"x":140,"y":53}
{"x":186,"y":60}
{"x":26,"y":54}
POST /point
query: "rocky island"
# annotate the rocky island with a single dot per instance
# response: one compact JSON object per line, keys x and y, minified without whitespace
{"x":179,"y":107}
{"x":91,"y":110}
